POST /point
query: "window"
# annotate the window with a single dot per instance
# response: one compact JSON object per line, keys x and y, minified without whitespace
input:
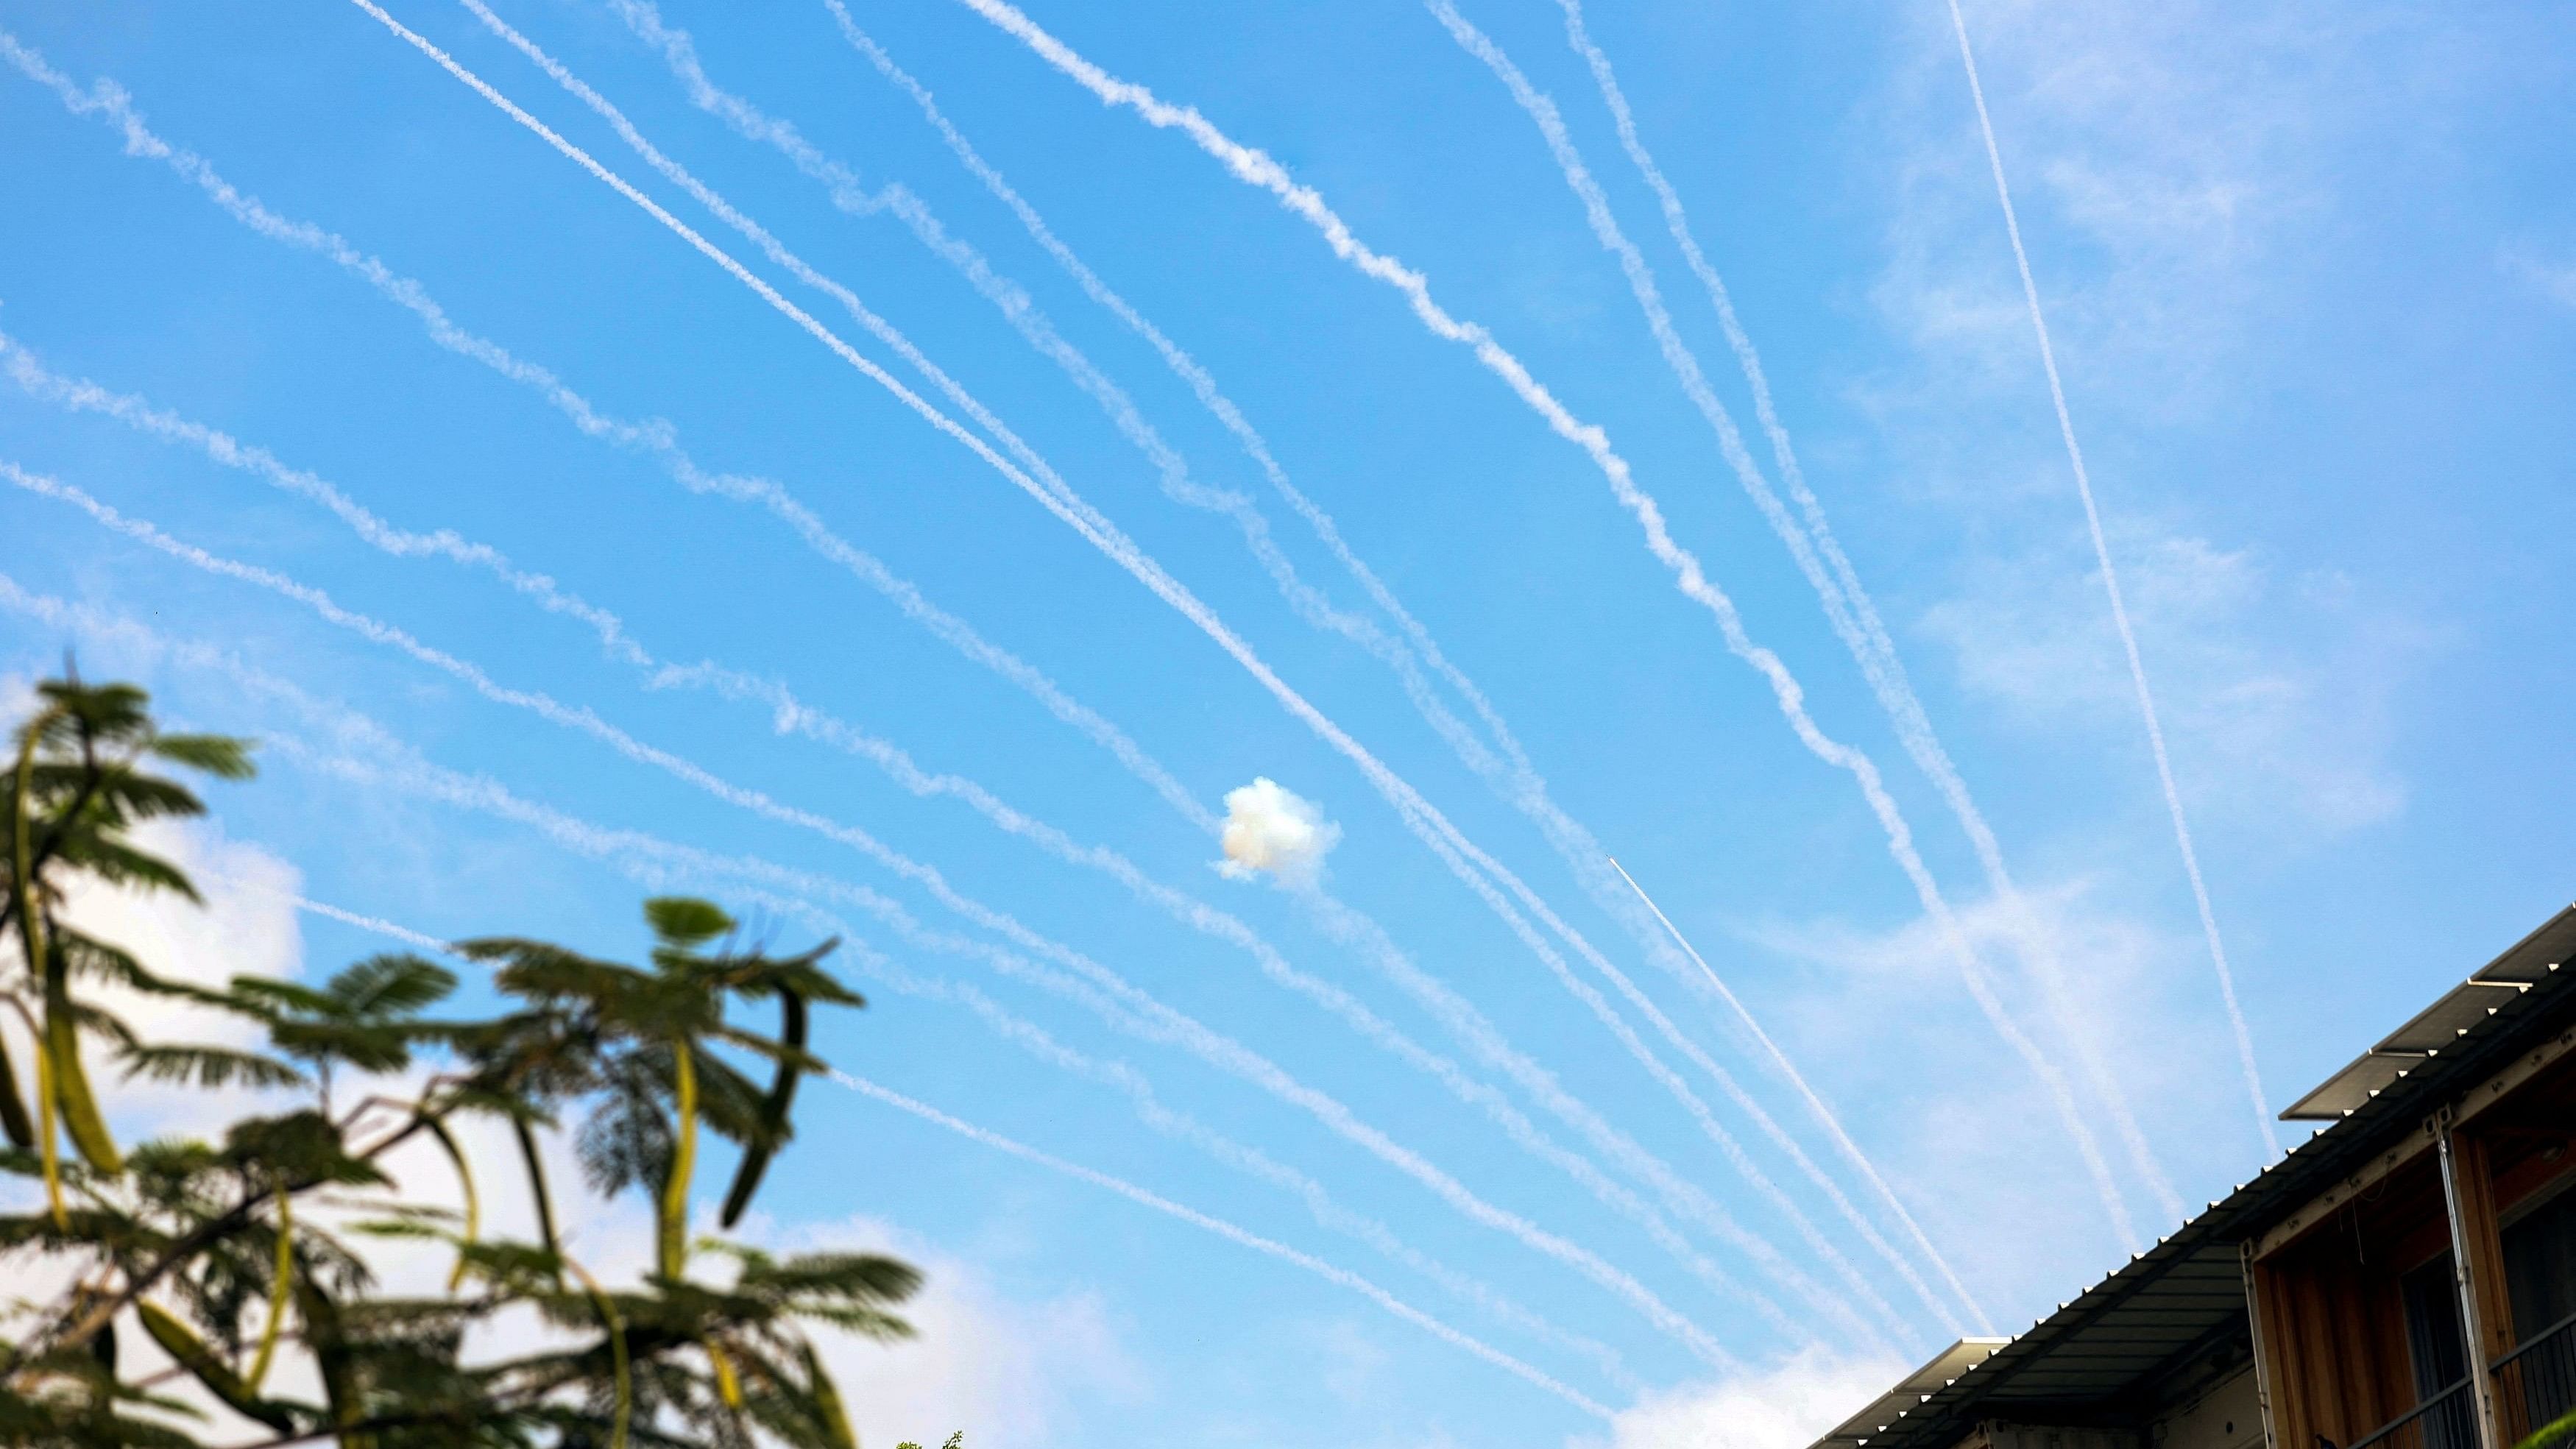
{"x":2540,"y":1266}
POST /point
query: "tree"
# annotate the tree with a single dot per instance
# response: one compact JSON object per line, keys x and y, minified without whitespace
{"x":238,"y":1255}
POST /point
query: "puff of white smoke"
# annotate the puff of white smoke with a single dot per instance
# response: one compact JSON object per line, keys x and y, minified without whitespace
{"x":1267,"y":828}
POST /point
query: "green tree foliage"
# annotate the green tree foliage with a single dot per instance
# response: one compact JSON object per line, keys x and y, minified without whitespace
{"x":240,"y":1255}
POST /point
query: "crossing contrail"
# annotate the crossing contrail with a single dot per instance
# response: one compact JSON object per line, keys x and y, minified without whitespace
{"x":598,"y":841}
{"x":1037,"y":1042}
{"x":81,"y":395}
{"x":1217,"y":1049}
{"x":1050,"y":492}
{"x":2119,"y":608}
{"x":848,"y":191}
{"x":1257,"y":168}
{"x":1512,"y":775}
{"x":851,"y":195}
{"x":1252,"y":1162}
{"x":1854,"y":619}
{"x":655,"y":438}
{"x":1226,"y":1230}
{"x":792,"y":715}
{"x":658,"y":440}
{"x":1847,"y":604}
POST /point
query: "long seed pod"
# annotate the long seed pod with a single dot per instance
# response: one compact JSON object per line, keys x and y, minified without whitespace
{"x":728,"y":1383}
{"x":69,"y":1093}
{"x":49,"y":1141}
{"x":31,"y":937}
{"x":773,"y":1113}
{"x":827,"y":1403}
{"x":190,"y":1353}
{"x":465,"y":1179}
{"x":537,"y":1186}
{"x":81,"y":1119}
{"x":13,"y":1108}
{"x":616,"y":1326}
{"x":684,"y":1160}
{"x":281,"y":1282}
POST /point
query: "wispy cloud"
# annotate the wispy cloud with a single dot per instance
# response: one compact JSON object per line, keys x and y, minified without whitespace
{"x":1782,"y":1407}
{"x":2279,"y":680}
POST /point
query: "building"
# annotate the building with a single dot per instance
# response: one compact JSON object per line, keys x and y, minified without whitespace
{"x":2405,"y":1279}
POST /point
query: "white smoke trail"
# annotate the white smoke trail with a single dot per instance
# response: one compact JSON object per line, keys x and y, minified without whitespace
{"x":1839,"y":592}
{"x":600,"y":842}
{"x":657,"y":439}
{"x":1035,"y":1040}
{"x":1225,"y":1230}
{"x":1520,"y":784}
{"x":1254,"y":1163}
{"x":108,"y":102}
{"x":790,"y":714}
{"x":1428,"y":824}
{"x":1217,"y":1049}
{"x":1846,"y":603}
{"x":2119,"y":608}
{"x":850,"y":195}
{"x":1257,"y":168}
{"x":81,"y":395}
{"x":1810,"y":539}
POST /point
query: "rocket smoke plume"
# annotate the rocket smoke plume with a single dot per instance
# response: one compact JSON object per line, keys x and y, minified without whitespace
{"x":659,"y":441}
{"x":1416,"y":657}
{"x":2119,"y":608}
{"x":1259,"y":169}
{"x":1268,"y":829}
{"x":1167,"y":1023}
{"x":1043,"y":486}
{"x":1811,"y":544}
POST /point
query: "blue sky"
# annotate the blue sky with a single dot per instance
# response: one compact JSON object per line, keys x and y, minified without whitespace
{"x":2311,"y":274}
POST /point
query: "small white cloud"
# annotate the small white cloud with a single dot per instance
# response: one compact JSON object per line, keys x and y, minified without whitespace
{"x":1783,"y":1407}
{"x":2271,"y":688}
{"x":1008,"y":1371}
{"x":1269,"y":829}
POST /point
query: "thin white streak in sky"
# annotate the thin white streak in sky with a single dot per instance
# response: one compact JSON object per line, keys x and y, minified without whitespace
{"x":1049,"y":491}
{"x":1228,"y":1231}
{"x":848,"y":192}
{"x":1519,"y":783}
{"x":108,"y":102}
{"x":603,"y":843}
{"x":2119,"y":609}
{"x":1685,"y":367}
{"x":1214,"y":1047}
{"x":791,"y":714}
{"x":1257,"y":168}
{"x":658,"y":439}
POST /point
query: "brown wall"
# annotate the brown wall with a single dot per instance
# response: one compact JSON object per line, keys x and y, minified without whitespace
{"x":2334,"y":1318}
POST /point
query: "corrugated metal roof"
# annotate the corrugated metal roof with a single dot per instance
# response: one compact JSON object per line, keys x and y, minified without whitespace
{"x":2527,"y":963}
{"x":2188,"y":1290}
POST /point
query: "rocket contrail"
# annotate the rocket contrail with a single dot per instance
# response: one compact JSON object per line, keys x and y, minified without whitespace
{"x":791,"y":714}
{"x":1855,"y":620}
{"x":108,"y":102}
{"x":1518,"y":782}
{"x":1258,"y":169}
{"x":599,"y":842}
{"x":1050,"y":492}
{"x":1214,"y":1047}
{"x":1876,"y":650}
{"x":2119,"y":608}
{"x":1226,"y":1230}
{"x":658,"y":439}
{"x":848,"y":192}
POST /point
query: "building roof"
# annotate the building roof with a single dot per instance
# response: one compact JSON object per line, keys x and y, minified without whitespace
{"x":2187,"y":1292}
